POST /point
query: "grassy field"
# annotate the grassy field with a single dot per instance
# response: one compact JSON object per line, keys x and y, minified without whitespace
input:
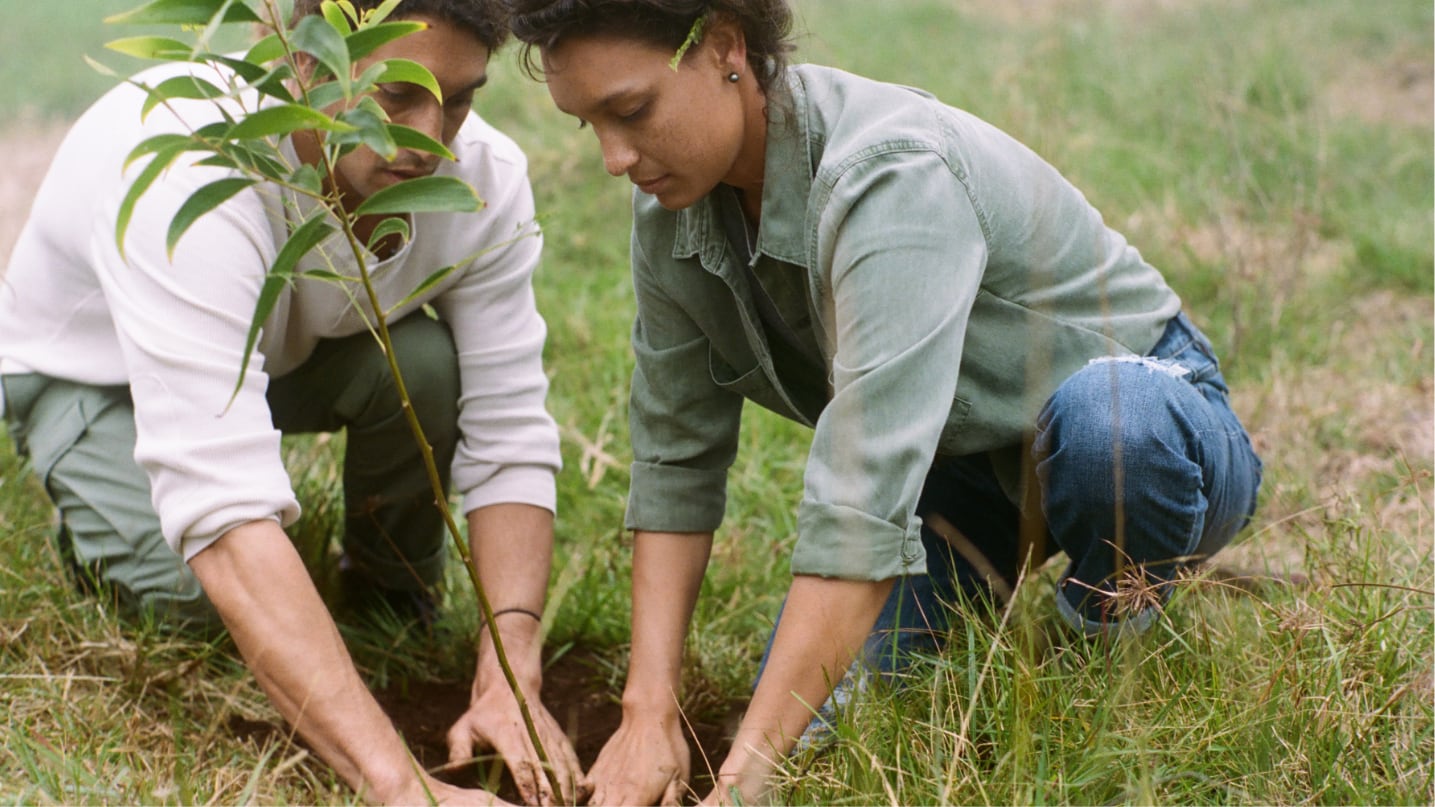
{"x":1273,"y":158}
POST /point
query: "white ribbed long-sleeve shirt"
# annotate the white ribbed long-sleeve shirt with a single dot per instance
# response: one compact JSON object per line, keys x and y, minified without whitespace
{"x":73,"y":307}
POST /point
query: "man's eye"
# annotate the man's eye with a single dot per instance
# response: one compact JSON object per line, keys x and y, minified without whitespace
{"x":396,"y":92}
{"x":634,"y":115}
{"x":582,"y":124}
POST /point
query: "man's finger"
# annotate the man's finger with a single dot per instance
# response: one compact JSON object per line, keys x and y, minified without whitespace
{"x":460,"y":743}
{"x":673,"y":792}
{"x":532,"y":782}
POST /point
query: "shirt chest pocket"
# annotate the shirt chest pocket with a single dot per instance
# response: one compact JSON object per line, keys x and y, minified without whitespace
{"x":748,"y":380}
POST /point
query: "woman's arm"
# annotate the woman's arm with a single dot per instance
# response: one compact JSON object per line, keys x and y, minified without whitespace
{"x":647,"y":759}
{"x":824,"y":624}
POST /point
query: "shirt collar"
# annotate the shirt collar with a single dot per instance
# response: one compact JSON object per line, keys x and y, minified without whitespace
{"x":792,"y":152}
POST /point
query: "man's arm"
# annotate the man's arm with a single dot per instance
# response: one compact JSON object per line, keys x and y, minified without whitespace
{"x":261,"y":589}
{"x":647,"y":760}
{"x":512,"y":547}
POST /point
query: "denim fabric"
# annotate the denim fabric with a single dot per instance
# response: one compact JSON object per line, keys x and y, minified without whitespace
{"x":1143,"y":469}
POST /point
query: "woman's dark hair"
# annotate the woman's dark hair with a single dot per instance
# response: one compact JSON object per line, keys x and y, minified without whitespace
{"x":485,"y":19}
{"x":544,"y":24}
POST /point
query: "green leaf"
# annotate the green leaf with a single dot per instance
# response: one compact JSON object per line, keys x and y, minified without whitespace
{"x":335,"y":16}
{"x":183,"y":12}
{"x":309,"y":235}
{"x":267,"y":81}
{"x":408,"y":71}
{"x":406,"y":137}
{"x":326,"y":95}
{"x":316,"y":37}
{"x":217,"y":161}
{"x":428,"y":283}
{"x":367,"y":40}
{"x":369,"y":129}
{"x":325,"y":274}
{"x":258,"y":158}
{"x":162,"y":160}
{"x":282,"y":120}
{"x":306,"y":176}
{"x":179,"y":87}
{"x":269,"y":293}
{"x":200,"y":202}
{"x":158,"y":143}
{"x":376,"y":16}
{"x":151,"y":47}
{"x":422,"y":195}
{"x":266,"y":50}
{"x":390,"y":226}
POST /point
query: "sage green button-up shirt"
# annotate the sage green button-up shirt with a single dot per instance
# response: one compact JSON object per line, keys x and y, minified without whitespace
{"x":952,"y":279}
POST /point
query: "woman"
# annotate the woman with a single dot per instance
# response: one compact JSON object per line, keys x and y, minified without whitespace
{"x":991,"y":373}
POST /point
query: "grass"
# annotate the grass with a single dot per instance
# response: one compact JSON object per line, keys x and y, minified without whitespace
{"x":1273,"y":158}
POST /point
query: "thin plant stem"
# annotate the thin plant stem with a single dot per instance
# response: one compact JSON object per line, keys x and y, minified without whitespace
{"x":381,"y":332}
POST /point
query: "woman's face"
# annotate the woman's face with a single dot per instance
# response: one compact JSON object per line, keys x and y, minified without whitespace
{"x":675,"y":134}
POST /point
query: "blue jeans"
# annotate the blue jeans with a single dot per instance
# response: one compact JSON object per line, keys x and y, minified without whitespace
{"x":1141,"y":469}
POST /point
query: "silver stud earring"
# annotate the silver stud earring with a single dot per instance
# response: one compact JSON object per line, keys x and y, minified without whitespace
{"x":733,"y":77}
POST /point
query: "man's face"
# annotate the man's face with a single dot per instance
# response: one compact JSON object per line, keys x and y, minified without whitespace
{"x":460,"y":64}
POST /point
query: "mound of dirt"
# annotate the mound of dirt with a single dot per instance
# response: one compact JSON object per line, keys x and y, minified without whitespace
{"x":576,"y":694}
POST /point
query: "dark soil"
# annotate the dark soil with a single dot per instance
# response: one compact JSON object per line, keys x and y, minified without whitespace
{"x":576,"y":694}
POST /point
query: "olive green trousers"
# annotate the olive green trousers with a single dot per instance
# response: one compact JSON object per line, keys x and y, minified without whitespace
{"x":80,"y":442}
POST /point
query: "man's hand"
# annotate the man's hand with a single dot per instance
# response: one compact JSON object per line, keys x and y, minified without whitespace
{"x":432,"y":791}
{"x":255,"y":579}
{"x":493,"y":721}
{"x":646,"y":762}
{"x":512,"y":548}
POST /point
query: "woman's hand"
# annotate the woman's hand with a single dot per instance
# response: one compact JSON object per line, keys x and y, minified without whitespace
{"x":646,"y":761}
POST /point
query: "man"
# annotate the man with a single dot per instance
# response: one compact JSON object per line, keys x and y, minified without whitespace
{"x":118,"y":371}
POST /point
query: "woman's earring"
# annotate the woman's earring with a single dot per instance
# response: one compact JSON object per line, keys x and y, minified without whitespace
{"x":733,"y":77}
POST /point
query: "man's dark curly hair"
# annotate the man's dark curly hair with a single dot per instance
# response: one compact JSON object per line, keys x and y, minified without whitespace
{"x":485,"y":19}
{"x":543,"y":24}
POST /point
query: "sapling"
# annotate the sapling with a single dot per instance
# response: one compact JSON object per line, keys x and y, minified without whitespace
{"x":304,"y":77}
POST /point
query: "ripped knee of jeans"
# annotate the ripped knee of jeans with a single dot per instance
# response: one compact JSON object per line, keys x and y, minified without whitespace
{"x":1153,"y":364}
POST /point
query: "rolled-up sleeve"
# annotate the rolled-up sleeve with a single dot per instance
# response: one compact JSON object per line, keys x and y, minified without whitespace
{"x":683,"y":426}
{"x":901,"y":252}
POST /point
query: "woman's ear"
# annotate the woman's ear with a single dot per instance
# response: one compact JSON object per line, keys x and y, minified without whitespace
{"x":725,"y":44}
